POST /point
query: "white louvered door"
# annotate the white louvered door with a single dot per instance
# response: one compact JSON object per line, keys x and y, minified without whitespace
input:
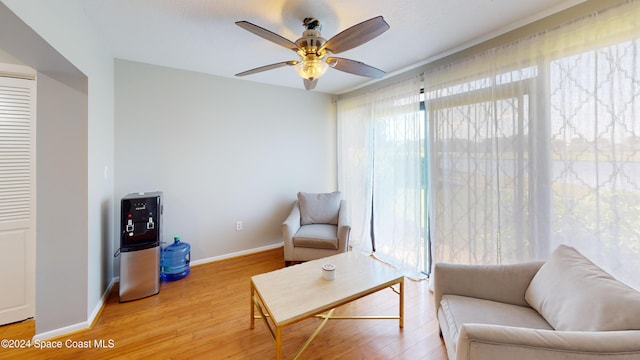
{"x":17,"y":199}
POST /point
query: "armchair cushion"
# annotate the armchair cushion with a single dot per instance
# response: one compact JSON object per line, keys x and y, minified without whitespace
{"x":574,"y":294}
{"x":318,"y":236}
{"x":320,"y":208}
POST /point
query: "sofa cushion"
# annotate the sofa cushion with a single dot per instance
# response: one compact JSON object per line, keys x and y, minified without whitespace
{"x":320,"y":208}
{"x":573,"y":294}
{"x":318,"y":236}
{"x":456,"y":310}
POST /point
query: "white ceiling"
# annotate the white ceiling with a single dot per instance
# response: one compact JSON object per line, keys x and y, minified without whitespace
{"x":201,"y":35}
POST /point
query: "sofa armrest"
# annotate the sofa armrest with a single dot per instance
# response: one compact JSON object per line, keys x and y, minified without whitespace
{"x":502,"y":283}
{"x":481,"y":341}
{"x":344,"y":227}
{"x":290,"y":226}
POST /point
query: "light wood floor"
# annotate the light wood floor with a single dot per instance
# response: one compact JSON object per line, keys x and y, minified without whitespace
{"x":206,"y":316}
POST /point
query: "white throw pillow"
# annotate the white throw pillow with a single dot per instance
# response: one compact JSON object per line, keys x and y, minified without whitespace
{"x":573,"y":294}
{"x":320,"y":208}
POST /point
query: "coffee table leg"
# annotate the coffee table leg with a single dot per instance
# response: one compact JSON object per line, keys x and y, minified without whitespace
{"x":278,"y":343}
{"x":401,"y":303}
{"x":253,"y":307}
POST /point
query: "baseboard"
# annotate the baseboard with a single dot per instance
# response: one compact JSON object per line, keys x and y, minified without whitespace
{"x":61,"y":331}
{"x":100,"y":305}
{"x":82,"y":326}
{"x":236,"y":254}
{"x":86,"y":325}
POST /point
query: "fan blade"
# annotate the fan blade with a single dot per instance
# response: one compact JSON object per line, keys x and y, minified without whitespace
{"x":310,"y":84}
{"x":266,"y":34}
{"x":355,"y":67}
{"x":357,"y":35}
{"x":267,"y":67}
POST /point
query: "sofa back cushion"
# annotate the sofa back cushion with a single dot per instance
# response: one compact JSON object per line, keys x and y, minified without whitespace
{"x":320,"y":208}
{"x":573,"y":294}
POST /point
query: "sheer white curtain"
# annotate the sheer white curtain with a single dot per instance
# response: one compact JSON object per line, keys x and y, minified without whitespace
{"x":537,"y":143}
{"x":380,"y":147}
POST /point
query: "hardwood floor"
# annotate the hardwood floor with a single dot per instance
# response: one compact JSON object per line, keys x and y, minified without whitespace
{"x":206,"y":316}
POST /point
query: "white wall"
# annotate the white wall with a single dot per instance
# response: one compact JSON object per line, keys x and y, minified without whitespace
{"x":222,"y":150}
{"x":77,"y":90}
{"x":61,"y":183}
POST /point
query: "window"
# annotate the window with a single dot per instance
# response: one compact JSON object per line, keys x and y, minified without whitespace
{"x":537,"y":143}
{"x":380,"y":152}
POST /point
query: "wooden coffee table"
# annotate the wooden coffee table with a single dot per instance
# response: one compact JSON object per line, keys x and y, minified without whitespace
{"x":286,"y":296}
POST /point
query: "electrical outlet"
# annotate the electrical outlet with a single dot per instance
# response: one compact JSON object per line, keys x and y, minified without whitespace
{"x":238,"y":225}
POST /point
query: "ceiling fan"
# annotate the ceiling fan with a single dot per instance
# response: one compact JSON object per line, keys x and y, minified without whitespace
{"x":316,"y":53}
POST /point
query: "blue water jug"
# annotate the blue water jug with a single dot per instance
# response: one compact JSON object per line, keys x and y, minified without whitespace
{"x":174,"y":260}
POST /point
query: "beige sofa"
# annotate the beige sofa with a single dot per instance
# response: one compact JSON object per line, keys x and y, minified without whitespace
{"x":565,"y":308}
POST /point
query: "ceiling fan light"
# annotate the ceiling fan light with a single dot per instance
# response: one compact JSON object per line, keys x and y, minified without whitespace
{"x":311,"y":69}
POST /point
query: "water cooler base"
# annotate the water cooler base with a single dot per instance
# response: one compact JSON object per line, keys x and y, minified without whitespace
{"x":139,"y":273}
